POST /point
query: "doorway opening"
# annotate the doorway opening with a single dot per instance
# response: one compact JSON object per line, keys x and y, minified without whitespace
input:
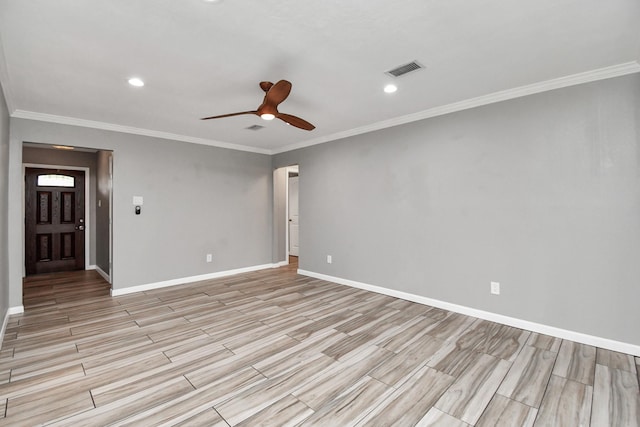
{"x":67,"y":200}
{"x":286,"y":216}
{"x":293,"y":213}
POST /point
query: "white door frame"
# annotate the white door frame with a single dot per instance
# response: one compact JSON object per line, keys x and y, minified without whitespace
{"x":87,"y":209}
{"x":110,"y":272}
{"x":296,"y":169}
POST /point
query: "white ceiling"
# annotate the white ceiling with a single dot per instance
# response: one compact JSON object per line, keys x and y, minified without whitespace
{"x":69,"y":60}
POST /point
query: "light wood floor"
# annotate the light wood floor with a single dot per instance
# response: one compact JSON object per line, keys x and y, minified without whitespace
{"x":50,"y":289}
{"x":275,"y":348}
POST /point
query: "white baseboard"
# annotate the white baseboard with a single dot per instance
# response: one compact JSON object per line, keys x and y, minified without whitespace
{"x":11,"y":310}
{"x":280,"y":264}
{"x":486,"y":315}
{"x":4,"y":327}
{"x":191,"y":279}
{"x":102,"y":273}
{"x":19,"y":309}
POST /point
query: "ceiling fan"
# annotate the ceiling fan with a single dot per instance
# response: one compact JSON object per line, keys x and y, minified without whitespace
{"x":268,"y":110}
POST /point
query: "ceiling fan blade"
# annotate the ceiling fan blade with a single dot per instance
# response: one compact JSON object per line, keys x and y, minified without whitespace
{"x":277,"y":93}
{"x":230,"y":115}
{"x":274,"y":95}
{"x":265,"y":86}
{"x":295,"y":121}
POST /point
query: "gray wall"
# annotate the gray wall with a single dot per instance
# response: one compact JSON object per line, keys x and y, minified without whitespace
{"x":197,"y":200}
{"x":4,"y":206}
{"x":48,"y":156}
{"x":103,"y":210}
{"x":541,"y":194}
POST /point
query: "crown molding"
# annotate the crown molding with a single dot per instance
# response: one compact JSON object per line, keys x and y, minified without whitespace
{"x":51,"y":118}
{"x":558,"y":83}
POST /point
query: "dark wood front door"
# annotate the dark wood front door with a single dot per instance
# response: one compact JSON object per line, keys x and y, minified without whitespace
{"x":54,"y":220}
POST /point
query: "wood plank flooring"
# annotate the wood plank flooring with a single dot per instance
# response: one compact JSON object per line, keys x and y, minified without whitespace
{"x":275,"y":348}
{"x":54,"y":288}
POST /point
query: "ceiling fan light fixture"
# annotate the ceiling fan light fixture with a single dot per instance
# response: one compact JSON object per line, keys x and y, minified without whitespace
{"x":275,"y":94}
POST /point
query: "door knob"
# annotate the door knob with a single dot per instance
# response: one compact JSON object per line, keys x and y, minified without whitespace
{"x":80,"y":228}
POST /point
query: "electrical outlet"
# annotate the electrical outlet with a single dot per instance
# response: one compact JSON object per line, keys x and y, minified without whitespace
{"x":209,"y":257}
{"x":495,"y":288}
{"x":329,"y":260}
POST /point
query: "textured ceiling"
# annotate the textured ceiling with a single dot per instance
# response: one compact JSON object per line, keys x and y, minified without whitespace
{"x":69,"y":60}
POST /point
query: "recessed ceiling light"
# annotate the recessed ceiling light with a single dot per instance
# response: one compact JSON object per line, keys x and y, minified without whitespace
{"x":134,"y":81}
{"x":213,"y":1}
{"x":390,"y":88}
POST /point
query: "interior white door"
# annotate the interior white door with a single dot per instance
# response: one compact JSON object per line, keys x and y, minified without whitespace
{"x":293,"y":216}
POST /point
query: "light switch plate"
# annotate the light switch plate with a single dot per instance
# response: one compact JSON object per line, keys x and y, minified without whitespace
{"x":138,"y":200}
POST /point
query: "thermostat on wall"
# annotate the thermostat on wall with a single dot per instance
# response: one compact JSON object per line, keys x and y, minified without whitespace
{"x":138,"y":200}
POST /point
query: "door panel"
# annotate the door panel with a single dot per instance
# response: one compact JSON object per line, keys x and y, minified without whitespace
{"x":54,"y":221}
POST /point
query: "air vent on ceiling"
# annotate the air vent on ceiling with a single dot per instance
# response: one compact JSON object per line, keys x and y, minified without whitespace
{"x":404,"y":69}
{"x":255,"y":127}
